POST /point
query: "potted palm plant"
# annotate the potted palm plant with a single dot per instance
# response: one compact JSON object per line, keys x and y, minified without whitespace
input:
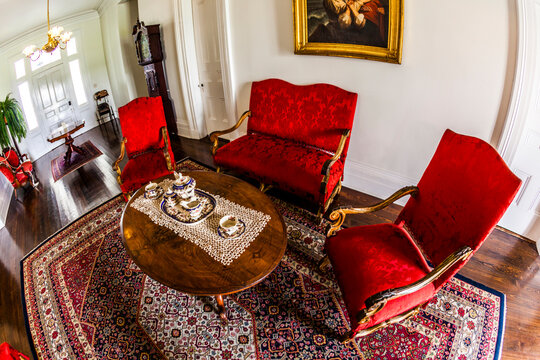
{"x":12,"y":123}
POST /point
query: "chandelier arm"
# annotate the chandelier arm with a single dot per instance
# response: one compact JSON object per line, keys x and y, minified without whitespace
{"x":55,"y":38}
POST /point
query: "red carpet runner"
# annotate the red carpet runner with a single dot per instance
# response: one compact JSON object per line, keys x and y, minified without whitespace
{"x":85,"y":299}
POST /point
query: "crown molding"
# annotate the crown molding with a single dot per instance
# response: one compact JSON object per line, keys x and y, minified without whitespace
{"x":106,"y":4}
{"x":67,"y":21}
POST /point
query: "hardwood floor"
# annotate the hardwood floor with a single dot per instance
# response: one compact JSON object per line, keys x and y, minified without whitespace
{"x":505,"y":262}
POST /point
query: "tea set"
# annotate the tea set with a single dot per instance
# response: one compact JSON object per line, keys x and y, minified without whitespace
{"x":192,"y":201}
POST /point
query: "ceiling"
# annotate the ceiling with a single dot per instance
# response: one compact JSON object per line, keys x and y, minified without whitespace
{"x":18,"y":16}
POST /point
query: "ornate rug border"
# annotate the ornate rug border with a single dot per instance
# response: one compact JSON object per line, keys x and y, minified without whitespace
{"x":21,"y":271}
{"x":502,"y":310}
{"x":502,"y":296}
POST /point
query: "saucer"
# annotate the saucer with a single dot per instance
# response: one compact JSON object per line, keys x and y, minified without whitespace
{"x":239,"y":231}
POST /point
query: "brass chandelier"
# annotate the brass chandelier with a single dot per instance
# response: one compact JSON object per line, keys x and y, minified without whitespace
{"x":56,"y":37}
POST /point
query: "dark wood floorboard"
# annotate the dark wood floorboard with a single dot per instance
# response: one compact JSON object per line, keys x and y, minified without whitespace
{"x":505,"y":262}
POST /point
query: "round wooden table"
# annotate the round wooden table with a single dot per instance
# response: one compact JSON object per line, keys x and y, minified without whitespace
{"x":181,"y":265}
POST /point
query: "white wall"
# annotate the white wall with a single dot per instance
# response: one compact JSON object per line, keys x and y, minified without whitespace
{"x":453,"y":71}
{"x":153,"y":12}
{"x":126,"y":76}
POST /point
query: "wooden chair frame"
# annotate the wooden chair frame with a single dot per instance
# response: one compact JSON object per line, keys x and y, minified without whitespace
{"x":116,"y":165}
{"x":376,"y":302}
{"x":34,"y":181}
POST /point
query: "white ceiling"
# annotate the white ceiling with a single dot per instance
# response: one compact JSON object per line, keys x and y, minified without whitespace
{"x":18,"y":16}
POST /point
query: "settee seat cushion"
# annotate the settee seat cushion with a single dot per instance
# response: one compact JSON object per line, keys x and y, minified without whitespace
{"x":369,"y":259}
{"x":143,"y":168}
{"x":289,"y":165}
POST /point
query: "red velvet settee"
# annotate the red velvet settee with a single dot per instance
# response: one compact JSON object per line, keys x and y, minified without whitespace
{"x":297,"y":139}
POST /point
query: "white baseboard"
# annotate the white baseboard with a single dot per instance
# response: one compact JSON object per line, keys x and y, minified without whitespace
{"x":375,"y":181}
{"x":185,"y":131}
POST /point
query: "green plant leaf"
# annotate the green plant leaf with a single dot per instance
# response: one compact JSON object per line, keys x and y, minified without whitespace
{"x":11,"y":115}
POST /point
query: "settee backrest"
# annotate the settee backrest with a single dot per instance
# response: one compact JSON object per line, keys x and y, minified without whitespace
{"x":315,"y":114}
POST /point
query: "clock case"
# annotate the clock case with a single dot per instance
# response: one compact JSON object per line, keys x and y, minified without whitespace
{"x":150,"y":55}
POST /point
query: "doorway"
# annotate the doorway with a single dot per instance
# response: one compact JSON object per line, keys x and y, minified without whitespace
{"x":52,"y":101}
{"x":520,"y":146}
{"x":203,"y":51}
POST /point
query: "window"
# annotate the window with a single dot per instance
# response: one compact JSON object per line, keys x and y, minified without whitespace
{"x":76,"y":77}
{"x":71,"y":47}
{"x":45,"y":59}
{"x":28,"y":106}
{"x":20,"y":71}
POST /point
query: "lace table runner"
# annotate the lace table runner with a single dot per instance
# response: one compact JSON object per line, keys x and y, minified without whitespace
{"x":204,"y":234}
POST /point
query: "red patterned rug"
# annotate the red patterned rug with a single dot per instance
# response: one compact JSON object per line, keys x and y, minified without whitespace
{"x":60,"y":169}
{"x":85,"y":299}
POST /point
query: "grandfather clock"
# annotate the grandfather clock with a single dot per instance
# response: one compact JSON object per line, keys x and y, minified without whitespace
{"x":150,"y":56}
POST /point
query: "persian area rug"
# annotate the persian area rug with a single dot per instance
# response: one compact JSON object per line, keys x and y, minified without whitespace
{"x":59,"y":167}
{"x":85,"y":299}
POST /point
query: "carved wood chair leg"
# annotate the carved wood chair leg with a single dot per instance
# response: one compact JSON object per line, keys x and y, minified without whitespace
{"x":324,"y":263}
{"x":320,"y":213}
{"x":347,"y":337}
{"x":264,"y":188}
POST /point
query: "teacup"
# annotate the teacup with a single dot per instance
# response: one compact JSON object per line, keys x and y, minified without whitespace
{"x":152,"y":190}
{"x":171,"y":198}
{"x":229,"y":224}
{"x":193,"y":207}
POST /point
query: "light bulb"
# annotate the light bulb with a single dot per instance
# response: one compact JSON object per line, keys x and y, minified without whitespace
{"x":29,"y":50}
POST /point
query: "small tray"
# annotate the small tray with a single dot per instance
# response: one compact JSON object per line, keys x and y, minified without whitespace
{"x":235,"y":234}
{"x":178,"y":213}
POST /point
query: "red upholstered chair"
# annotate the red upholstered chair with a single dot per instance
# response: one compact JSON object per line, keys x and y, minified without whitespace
{"x":18,"y":172}
{"x":383,"y":269}
{"x":9,"y":353}
{"x":146,"y":143}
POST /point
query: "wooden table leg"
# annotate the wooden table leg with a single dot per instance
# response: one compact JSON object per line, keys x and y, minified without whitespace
{"x":70,"y":148}
{"x":221,"y":309}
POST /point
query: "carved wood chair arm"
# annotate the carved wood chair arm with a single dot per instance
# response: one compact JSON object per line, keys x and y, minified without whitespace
{"x":376,"y":302}
{"x":338,"y":216}
{"x":328,"y":163}
{"x":214,"y":136}
{"x":170,"y":165}
{"x":116,"y":166}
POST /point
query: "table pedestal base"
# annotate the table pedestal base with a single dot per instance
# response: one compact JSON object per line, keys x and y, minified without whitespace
{"x":70,"y":149}
{"x":221,"y":309}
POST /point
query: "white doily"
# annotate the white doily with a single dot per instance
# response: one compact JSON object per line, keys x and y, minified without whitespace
{"x":204,"y":234}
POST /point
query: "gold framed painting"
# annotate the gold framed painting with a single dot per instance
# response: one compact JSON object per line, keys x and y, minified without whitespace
{"x":365,"y":29}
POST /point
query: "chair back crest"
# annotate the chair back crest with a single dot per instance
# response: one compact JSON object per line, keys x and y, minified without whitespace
{"x":12,"y":158}
{"x":314,"y":114}
{"x":141,"y":121}
{"x":463,"y":193}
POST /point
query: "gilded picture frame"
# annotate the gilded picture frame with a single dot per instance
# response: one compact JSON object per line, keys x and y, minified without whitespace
{"x":364,"y":29}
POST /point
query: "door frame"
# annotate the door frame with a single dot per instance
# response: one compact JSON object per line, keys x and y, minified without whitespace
{"x":526,"y":60}
{"x":188,"y":66}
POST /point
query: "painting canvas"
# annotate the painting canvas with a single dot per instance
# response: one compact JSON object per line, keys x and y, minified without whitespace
{"x":370,"y":29}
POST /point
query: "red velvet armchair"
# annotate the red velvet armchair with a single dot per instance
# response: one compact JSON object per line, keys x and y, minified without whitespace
{"x":297,"y":139}
{"x":19,"y":172}
{"x":146,"y":143}
{"x":382,"y":270}
{"x":7,"y":352}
